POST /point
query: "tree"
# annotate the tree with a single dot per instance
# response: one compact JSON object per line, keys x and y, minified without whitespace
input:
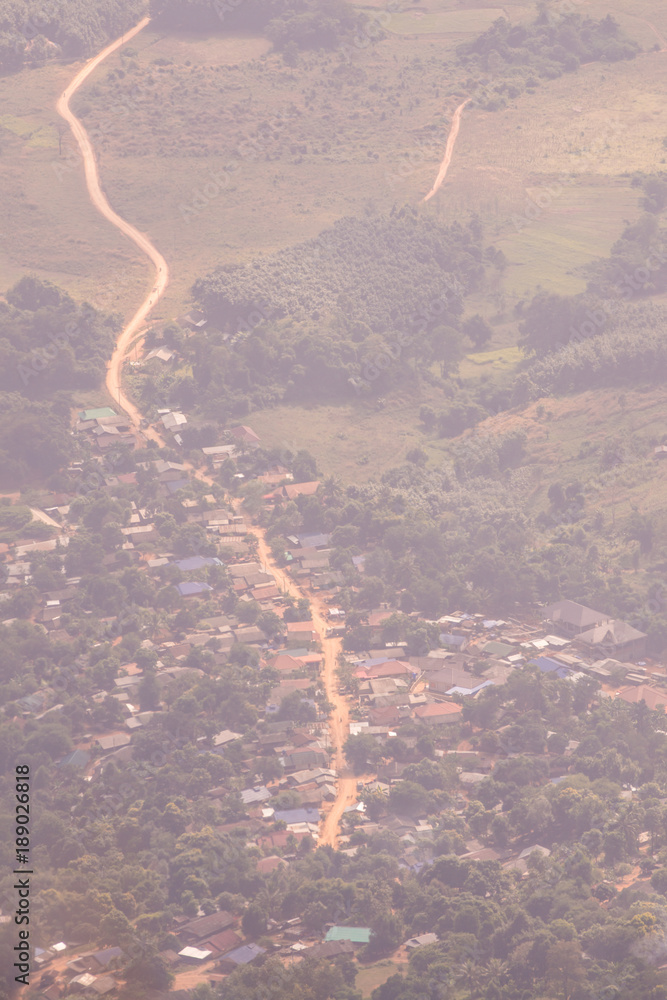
{"x":304,"y":467}
{"x":478,"y":331}
{"x":387,"y":933}
{"x":470,"y":973}
{"x":565,"y":968}
{"x":149,"y":972}
{"x":445,"y":343}
{"x":149,"y":693}
{"x":642,"y":529}
{"x":407,"y":798}
{"x":253,"y":921}
{"x":115,"y":928}
{"x":362,"y":751}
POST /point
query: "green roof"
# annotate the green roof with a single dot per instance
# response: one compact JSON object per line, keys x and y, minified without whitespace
{"x":357,"y":935}
{"x":97,"y":414}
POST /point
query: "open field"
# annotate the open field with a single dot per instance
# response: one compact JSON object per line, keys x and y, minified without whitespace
{"x":352,"y":440}
{"x":292,"y":152}
{"x":490,"y":362}
{"x":221,"y":152}
{"x":579,"y":225}
{"x":371,"y":976}
{"x":47,"y":223}
{"x":419,"y":22}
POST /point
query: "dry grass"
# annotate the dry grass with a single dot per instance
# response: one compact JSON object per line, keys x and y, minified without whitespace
{"x":372,"y":976}
{"x":419,"y":22}
{"x":565,"y":439}
{"x":47,"y":223}
{"x":352,"y":440}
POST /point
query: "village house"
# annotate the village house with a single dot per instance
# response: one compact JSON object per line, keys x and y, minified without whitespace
{"x":572,"y":619}
{"x":301,"y":633}
{"x":438,"y":713}
{"x":614,"y":639}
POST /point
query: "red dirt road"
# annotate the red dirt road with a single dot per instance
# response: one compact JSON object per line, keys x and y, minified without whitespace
{"x":449,"y":149}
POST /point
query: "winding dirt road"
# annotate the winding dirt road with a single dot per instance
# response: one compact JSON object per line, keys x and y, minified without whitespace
{"x":339,"y":722}
{"x":99,"y":200}
{"x":449,"y":149}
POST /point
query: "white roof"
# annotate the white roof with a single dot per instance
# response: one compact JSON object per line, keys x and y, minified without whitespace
{"x":173,"y":420}
{"x":197,"y":953}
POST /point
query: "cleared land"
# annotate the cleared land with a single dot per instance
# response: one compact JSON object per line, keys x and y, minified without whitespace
{"x":48,"y":225}
{"x":290,"y":152}
{"x":419,"y":22}
{"x":372,"y":976}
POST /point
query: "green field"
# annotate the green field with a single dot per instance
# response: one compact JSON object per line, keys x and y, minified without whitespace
{"x":372,"y":976}
{"x":577,"y":226}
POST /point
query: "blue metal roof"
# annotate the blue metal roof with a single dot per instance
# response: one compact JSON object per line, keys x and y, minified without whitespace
{"x":244,"y":954}
{"x":547,"y":665}
{"x":307,"y":814}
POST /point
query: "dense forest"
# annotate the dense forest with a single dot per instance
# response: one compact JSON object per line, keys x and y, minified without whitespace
{"x":553,"y":44}
{"x":31,"y":32}
{"x":313,"y":320}
{"x":49,"y":346}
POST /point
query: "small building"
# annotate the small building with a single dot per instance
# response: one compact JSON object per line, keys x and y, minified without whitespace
{"x":298,"y":758}
{"x":170,"y":421}
{"x":245,"y":435}
{"x":358,"y":936}
{"x":225,"y":941}
{"x":195,"y":955}
{"x":301,"y":632}
{"x":244,"y":955}
{"x":203,"y":927}
{"x":97,"y":413}
{"x":615,"y":639}
{"x":420,"y":940}
{"x":192,"y":588}
{"x":329,"y":950}
{"x":572,"y":619}
{"x":439,"y":714}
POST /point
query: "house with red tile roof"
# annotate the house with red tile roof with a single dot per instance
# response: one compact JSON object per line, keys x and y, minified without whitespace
{"x":439,"y":713}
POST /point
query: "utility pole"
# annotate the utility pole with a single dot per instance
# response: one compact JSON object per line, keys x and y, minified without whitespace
{"x":62,"y":128}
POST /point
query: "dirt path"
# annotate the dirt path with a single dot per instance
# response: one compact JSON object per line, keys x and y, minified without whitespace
{"x":339,"y":722}
{"x":656,"y":32}
{"x":449,"y":149}
{"x":39,"y":515}
{"x":99,"y":200}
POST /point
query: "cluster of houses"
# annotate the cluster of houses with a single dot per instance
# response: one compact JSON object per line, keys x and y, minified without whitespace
{"x":103,"y":428}
{"x":90,"y":974}
{"x":386,"y":687}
